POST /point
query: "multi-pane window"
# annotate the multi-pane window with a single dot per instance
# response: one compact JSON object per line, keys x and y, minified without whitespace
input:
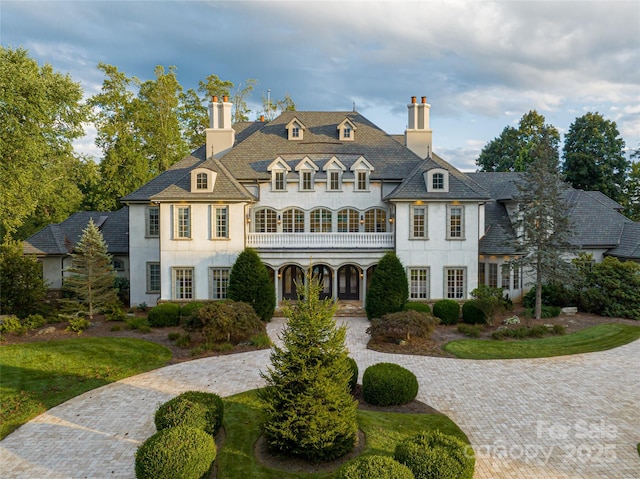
{"x":455,"y":283}
{"x":279,"y":181}
{"x":220,"y":222}
{"x":455,"y":222}
{"x":493,"y":275}
{"x":362,"y":180}
{"x":504,"y":276}
{"x":516,"y":276}
{"x":375,"y":221}
{"x":348,"y":221}
{"x":347,"y":132}
{"x":437,"y":181}
{"x":152,"y":221}
{"x":293,"y":221}
{"x":218,"y":283}
{"x":266,"y":221}
{"x":306,"y":180}
{"x":183,"y":222}
{"x":320,"y":221}
{"x":153,"y":277}
{"x":334,"y":181}
{"x":481,"y":274}
{"x":418,"y":222}
{"x":295,"y":132}
{"x":202,"y":182}
{"x":118,"y":264}
{"x":182,"y":283}
{"x":419,"y":283}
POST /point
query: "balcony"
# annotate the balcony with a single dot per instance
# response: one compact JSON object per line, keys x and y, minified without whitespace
{"x":320,"y":240}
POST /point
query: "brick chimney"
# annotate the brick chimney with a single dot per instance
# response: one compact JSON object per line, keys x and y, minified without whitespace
{"x":418,"y":135}
{"x":220,"y":134}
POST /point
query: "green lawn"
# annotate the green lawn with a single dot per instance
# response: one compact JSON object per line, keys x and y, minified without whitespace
{"x":242,"y":418}
{"x":595,"y":338}
{"x":35,"y":377}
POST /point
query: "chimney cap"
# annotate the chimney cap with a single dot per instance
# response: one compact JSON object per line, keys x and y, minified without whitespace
{"x":413,"y":99}
{"x":214,"y":99}
{"x":424,"y":99}
{"x":225,"y":98}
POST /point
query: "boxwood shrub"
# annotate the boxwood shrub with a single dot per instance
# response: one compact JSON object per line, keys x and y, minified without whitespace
{"x":374,"y":467}
{"x":435,"y":454}
{"x":214,"y":408}
{"x":416,"y":306}
{"x":447,"y":310}
{"x":354,"y":373}
{"x":388,"y":384}
{"x":177,"y":452}
{"x":180,"y":412}
{"x":164,"y":314}
{"x":472,"y":314}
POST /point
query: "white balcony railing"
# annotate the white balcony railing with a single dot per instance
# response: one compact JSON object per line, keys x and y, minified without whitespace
{"x":320,"y":240}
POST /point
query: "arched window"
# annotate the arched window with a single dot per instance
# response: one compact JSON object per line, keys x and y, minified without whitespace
{"x":348,"y":221}
{"x":293,"y":221}
{"x":375,"y":221}
{"x":320,"y":221}
{"x":266,"y":221}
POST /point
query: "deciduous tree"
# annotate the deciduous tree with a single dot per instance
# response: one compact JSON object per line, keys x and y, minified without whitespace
{"x":594,"y":156}
{"x":631,"y":191}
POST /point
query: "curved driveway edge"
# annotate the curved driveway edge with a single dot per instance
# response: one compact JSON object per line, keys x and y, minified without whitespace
{"x":566,"y":417}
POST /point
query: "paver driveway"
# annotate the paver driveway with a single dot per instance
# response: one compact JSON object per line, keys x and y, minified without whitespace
{"x":567,"y":417}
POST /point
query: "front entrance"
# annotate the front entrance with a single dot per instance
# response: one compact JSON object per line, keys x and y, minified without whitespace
{"x":349,"y":282}
{"x":291,"y":275}
{"x":325,"y":279}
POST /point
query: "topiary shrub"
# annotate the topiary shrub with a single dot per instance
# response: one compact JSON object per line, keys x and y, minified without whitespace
{"x":249,"y":282}
{"x":447,"y":310}
{"x":388,"y":384}
{"x":416,"y":306}
{"x":374,"y":467}
{"x":402,"y":326}
{"x":199,"y":409}
{"x":389,"y":288}
{"x":229,"y":321}
{"x":177,"y":452}
{"x":472,"y":313}
{"x":164,"y":314}
{"x":434,"y":454}
{"x":354,"y":373}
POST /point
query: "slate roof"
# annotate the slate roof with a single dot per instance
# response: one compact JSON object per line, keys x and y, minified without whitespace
{"x":629,"y":247}
{"x":57,"y":239}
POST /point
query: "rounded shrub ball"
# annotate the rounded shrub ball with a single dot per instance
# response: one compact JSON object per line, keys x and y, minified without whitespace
{"x":353,"y":366}
{"x":447,"y":310}
{"x":175,"y":453}
{"x":374,"y":467}
{"x":435,"y":454}
{"x":388,"y":384}
{"x":472,"y":314}
{"x":181,"y":412}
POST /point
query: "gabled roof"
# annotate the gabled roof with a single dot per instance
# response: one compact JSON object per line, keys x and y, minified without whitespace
{"x":461,"y":186}
{"x":59,"y":239}
{"x":629,"y":247}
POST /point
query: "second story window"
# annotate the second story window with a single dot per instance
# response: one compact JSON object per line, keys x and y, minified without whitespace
{"x":348,"y":221}
{"x":306,"y":180}
{"x":334,"y":181}
{"x":279,"y":181}
{"x":362,"y":181}
{"x":183,"y":222}
{"x":320,"y":221}
{"x":152,"y":222}
{"x":266,"y":221}
{"x":418,"y":222}
{"x":293,"y":221}
{"x":455,"y":222}
{"x":220,"y":222}
{"x":375,"y":221}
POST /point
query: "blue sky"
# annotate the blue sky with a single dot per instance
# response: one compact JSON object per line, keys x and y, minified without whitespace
{"x":481,"y":64}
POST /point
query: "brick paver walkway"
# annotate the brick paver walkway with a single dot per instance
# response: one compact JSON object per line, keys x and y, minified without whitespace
{"x":567,"y":417}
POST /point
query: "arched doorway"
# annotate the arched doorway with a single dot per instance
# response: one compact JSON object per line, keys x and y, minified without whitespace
{"x":349,"y":282}
{"x":325,"y":278}
{"x":291,"y":275}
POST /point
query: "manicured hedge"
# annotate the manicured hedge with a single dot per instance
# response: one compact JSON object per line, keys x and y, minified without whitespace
{"x":374,"y":467}
{"x":175,"y":453}
{"x":416,"y":306}
{"x":387,"y":384}
{"x":447,"y":310}
{"x":164,"y":314}
{"x":202,"y":410}
{"x":472,"y":314}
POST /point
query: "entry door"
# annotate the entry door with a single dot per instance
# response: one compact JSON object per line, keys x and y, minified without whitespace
{"x":349,"y":283}
{"x":324,"y":278}
{"x":290,"y":276}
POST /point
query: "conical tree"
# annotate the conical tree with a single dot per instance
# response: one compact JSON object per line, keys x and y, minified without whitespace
{"x":389,"y":288}
{"x":249,"y":282}
{"x":310,"y":412}
{"x":91,"y":280}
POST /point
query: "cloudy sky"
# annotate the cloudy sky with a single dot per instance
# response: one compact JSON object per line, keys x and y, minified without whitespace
{"x":481,"y":64}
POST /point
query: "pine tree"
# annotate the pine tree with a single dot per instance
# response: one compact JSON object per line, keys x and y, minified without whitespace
{"x":389,"y":288}
{"x":91,"y":282}
{"x":543,"y":226}
{"x":310,"y":412}
{"x":249,"y":282}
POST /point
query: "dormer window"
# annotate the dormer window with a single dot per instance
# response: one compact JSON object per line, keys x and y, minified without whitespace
{"x":295,"y":129}
{"x":306,"y":170}
{"x":362,"y":170}
{"x":437,"y":180}
{"x":279,"y":169}
{"x":346,"y":130}
{"x":202,"y":180}
{"x":334,"y":169}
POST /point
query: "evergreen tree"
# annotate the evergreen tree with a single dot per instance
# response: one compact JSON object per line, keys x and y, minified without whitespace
{"x":389,"y":288}
{"x":542,"y":225}
{"x":631,"y":191}
{"x":594,"y":156}
{"x":249,"y":282}
{"x":92,"y":277}
{"x":21,"y":283}
{"x":310,"y":412}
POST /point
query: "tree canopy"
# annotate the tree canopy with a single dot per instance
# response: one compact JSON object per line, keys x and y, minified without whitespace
{"x":594,"y":156}
{"x":513,"y":149}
